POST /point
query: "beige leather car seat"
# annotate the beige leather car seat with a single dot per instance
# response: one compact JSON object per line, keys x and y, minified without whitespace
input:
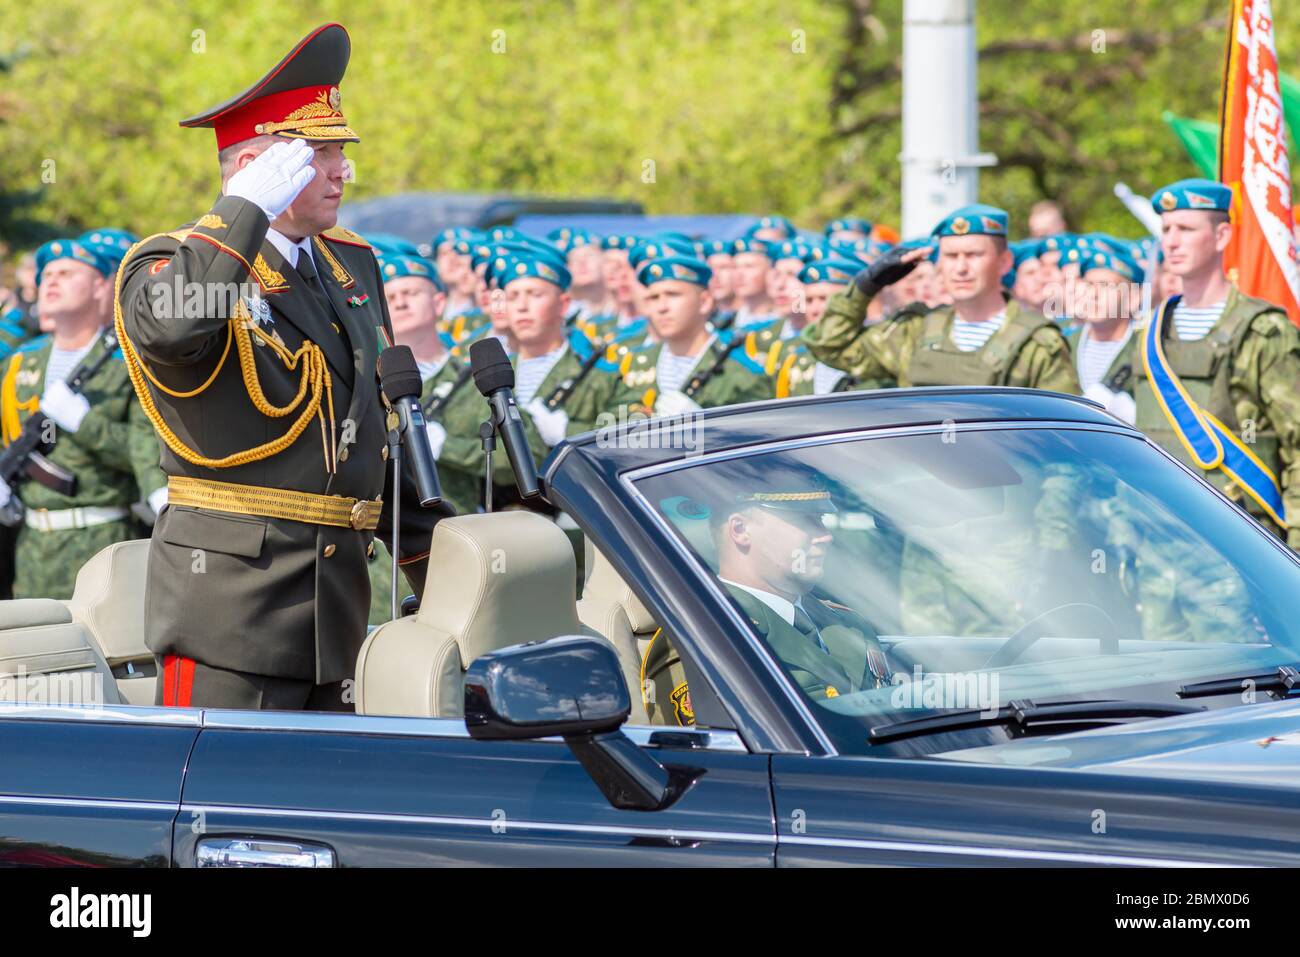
{"x":38,"y":638}
{"x":610,"y":608}
{"x":108,"y":601}
{"x":494,"y":580}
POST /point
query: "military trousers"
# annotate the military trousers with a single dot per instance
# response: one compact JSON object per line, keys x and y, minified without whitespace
{"x":186,"y":683}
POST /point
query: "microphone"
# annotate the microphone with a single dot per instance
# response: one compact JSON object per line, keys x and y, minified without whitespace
{"x":399,"y":378}
{"x":494,"y":376}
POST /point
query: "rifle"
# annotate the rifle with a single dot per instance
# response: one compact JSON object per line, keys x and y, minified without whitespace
{"x":25,"y":457}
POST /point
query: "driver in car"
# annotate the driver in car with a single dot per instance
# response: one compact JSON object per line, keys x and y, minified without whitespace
{"x":772,"y":547}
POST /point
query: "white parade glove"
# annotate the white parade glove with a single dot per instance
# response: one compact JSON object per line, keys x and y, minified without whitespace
{"x":675,"y":402}
{"x":1122,"y":406}
{"x":5,"y":493}
{"x":63,"y":406}
{"x":275,"y":177}
{"x":1118,"y":404}
{"x":552,"y":424}
{"x":157,"y":499}
{"x":437,"y":437}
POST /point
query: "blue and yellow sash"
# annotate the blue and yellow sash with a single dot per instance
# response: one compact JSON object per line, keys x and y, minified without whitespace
{"x":1210,"y":443}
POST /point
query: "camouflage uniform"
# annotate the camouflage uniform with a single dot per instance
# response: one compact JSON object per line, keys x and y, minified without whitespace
{"x":463,"y":327}
{"x":114,"y":455}
{"x":725,"y":375}
{"x":914,"y":348}
{"x":1245,"y":372}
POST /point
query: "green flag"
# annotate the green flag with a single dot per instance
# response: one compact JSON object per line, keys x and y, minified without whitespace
{"x":1200,"y":139}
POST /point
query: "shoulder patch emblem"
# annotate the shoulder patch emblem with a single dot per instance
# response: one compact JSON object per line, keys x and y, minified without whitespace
{"x":681,"y":699}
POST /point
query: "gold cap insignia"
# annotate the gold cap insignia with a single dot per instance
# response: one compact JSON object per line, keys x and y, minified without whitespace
{"x":1168,"y":200}
{"x":960,"y":226}
{"x":335,"y":97}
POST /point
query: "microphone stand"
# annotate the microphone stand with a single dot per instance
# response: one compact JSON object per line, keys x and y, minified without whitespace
{"x":395,"y":459}
{"x":488,"y":433}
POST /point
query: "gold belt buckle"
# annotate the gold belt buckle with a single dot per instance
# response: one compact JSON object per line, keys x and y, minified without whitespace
{"x":358,"y":517}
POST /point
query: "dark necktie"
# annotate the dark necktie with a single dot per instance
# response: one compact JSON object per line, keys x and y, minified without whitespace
{"x":804,"y":625}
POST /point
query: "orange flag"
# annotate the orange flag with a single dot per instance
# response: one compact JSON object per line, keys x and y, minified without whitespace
{"x":1253,"y":161}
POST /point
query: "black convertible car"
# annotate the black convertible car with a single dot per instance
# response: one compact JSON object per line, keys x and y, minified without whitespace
{"x":1065,"y":649}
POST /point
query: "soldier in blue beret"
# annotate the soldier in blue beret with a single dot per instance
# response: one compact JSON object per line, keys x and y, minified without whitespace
{"x":587,"y":294}
{"x":1218,"y":381}
{"x":717,"y":253}
{"x":690,"y":365}
{"x":103,"y":438}
{"x":1108,"y":302}
{"x":983,"y":338}
{"x":751,"y":264}
{"x":562,"y":382}
{"x":788,"y":257}
{"x":795,"y":371}
{"x":452,"y":252}
{"x":621,"y":308}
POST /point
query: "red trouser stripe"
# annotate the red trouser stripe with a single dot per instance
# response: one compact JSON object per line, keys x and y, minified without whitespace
{"x":178,"y":681}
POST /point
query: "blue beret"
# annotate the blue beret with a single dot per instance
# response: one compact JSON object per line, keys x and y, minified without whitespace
{"x":71,"y":249}
{"x":1103,"y":259}
{"x":1058,"y":243}
{"x":619,"y":241}
{"x":387,"y":243}
{"x":838,"y":271}
{"x":450,"y":235}
{"x":788,"y":249}
{"x":747,"y":244}
{"x":686,"y":268}
{"x":396,"y":265}
{"x":506,"y":269}
{"x":112,"y":244}
{"x":975,"y":220}
{"x":772,"y":222}
{"x":922,"y":243}
{"x":659,"y":249}
{"x":713,"y":247}
{"x":1025,"y":249}
{"x":848,"y":224}
{"x":501,"y":234}
{"x":1204,"y":194}
{"x":566,"y":240}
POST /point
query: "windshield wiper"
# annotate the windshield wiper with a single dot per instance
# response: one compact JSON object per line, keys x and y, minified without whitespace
{"x":1019,"y":715}
{"x":1284,"y":679}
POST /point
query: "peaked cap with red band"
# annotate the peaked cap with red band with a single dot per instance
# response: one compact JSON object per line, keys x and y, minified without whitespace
{"x":298,"y":99}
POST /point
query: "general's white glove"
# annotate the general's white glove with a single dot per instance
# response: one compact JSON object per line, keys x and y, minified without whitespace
{"x":5,"y":493}
{"x":552,"y":424}
{"x":157,"y":499}
{"x":675,"y":402}
{"x":275,"y":177}
{"x":1118,"y":404}
{"x":437,"y":437}
{"x":63,"y":406}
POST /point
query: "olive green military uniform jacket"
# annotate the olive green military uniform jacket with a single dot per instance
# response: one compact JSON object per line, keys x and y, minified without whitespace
{"x":724,"y":375}
{"x":915,"y":348}
{"x":264,"y":595}
{"x":113,"y":455}
{"x":846,"y":634}
{"x":1245,"y":372}
{"x":1123,"y":369}
{"x":461,"y":465}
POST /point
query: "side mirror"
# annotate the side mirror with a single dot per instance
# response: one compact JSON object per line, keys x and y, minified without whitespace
{"x":572,"y":687}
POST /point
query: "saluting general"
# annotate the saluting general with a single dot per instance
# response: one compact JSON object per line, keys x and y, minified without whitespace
{"x":268,"y":407}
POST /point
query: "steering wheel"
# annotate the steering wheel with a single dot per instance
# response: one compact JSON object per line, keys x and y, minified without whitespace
{"x":1032,"y":630}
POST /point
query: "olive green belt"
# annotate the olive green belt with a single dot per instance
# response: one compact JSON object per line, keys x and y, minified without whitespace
{"x":359,"y":514}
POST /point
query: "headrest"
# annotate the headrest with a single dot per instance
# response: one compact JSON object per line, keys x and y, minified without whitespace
{"x":499,"y":579}
{"x":604,"y":584}
{"x":32,"y":613}
{"x":109,"y":599}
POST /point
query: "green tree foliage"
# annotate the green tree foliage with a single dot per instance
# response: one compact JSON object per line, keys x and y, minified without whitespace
{"x":785,"y":106}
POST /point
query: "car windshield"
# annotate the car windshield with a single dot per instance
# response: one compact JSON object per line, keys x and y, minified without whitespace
{"x":908,"y":576}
